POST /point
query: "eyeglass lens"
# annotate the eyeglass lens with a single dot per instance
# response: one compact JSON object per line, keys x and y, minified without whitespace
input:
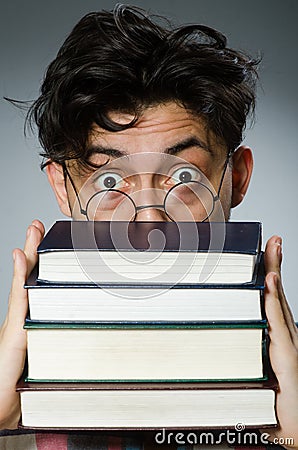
{"x":179,"y":189}
{"x":185,"y":201}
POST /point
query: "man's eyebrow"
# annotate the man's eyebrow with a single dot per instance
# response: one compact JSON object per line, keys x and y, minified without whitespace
{"x":109,"y":151}
{"x":187,"y":143}
{"x":172,"y":150}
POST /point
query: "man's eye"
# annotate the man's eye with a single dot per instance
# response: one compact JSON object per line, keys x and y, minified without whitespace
{"x":108,"y":180}
{"x":185,"y":175}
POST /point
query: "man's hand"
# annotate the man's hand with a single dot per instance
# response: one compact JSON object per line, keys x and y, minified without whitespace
{"x":12,"y":334}
{"x":283,"y":349}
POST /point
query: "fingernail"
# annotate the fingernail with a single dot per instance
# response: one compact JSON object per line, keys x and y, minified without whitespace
{"x":15,"y":256}
{"x":278,"y":240}
{"x":28,"y":232}
{"x":274,"y":279}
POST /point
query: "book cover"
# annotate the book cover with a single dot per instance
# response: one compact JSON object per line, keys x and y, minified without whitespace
{"x":237,"y":237}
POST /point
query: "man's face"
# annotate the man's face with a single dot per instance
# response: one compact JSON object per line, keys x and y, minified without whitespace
{"x":152,"y":154}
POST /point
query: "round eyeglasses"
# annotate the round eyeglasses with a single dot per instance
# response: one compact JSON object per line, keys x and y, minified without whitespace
{"x":187,"y":200}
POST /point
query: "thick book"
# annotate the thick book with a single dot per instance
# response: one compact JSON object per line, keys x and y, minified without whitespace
{"x":150,"y":252}
{"x":145,"y":352}
{"x":140,"y":302}
{"x":145,"y":406}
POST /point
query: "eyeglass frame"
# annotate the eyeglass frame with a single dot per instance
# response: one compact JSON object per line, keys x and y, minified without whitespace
{"x":141,"y":207}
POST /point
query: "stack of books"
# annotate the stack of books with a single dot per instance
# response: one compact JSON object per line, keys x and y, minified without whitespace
{"x":147,"y":326}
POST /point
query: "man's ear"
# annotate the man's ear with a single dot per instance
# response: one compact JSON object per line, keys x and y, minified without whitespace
{"x":55,"y":176}
{"x":241,"y":174}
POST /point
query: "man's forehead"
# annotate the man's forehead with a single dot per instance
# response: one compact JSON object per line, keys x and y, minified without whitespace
{"x":158,"y":127}
{"x":161,"y":116}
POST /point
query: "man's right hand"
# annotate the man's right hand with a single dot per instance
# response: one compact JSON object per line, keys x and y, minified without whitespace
{"x":13,"y":341}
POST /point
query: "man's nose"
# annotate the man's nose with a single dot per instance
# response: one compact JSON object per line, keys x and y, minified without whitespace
{"x":151,"y":214}
{"x":150,"y":205}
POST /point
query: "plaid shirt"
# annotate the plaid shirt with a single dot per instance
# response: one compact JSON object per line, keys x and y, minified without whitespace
{"x":16,"y":440}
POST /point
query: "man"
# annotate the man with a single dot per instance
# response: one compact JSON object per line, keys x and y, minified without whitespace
{"x":124,"y":86}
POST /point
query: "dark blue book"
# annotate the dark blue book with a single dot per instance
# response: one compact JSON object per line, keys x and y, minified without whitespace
{"x":146,"y":303}
{"x":150,"y":253}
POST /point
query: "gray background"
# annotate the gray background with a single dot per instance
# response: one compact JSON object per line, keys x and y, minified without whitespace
{"x":31,"y":33}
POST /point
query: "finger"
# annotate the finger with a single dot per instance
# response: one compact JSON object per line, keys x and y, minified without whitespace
{"x":273,"y":259}
{"x":38,"y":224}
{"x":282,"y":350}
{"x":18,"y":303}
{"x":35,"y":233}
{"x":288,"y":315}
{"x":273,"y":255}
{"x":13,"y":335}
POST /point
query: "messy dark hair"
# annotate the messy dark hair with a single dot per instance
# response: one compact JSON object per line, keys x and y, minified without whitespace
{"x":126,"y":60}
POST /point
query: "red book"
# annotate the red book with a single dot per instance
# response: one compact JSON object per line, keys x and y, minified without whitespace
{"x":145,"y":406}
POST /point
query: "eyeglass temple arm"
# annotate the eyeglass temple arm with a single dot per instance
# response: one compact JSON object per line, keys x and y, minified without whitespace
{"x":229,"y":154}
{"x":67,"y":174}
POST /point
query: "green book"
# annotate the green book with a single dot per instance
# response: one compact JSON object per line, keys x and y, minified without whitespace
{"x":141,"y":352}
